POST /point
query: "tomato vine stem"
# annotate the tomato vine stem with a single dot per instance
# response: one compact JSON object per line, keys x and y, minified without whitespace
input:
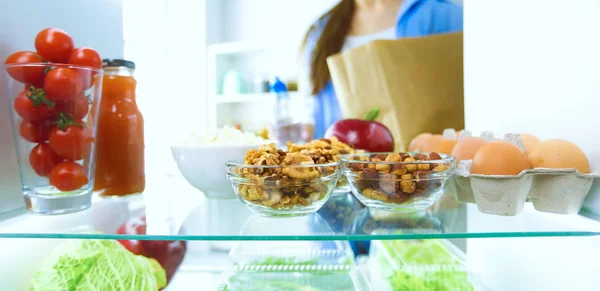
{"x":38,"y":96}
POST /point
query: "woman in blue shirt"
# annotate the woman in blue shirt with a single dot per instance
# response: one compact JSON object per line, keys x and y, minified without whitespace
{"x":355,"y":22}
{"x":352,"y":23}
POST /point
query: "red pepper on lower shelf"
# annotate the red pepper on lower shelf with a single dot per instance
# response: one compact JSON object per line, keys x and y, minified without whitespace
{"x":169,"y":254}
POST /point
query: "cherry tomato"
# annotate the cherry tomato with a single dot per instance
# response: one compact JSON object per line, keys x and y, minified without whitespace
{"x":88,"y":57}
{"x":26,"y":74}
{"x":73,"y":142}
{"x":78,"y":108}
{"x":43,"y":159}
{"x":85,"y":56}
{"x":68,"y":176}
{"x":32,"y":105}
{"x":35,"y":131}
{"x":63,"y":84}
{"x":54,"y":45}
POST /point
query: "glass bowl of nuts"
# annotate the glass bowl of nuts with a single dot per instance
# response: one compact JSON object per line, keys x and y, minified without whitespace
{"x":275,"y":183}
{"x":400,"y":182}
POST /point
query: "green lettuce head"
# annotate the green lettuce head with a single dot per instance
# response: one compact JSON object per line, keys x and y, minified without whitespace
{"x":98,"y":265}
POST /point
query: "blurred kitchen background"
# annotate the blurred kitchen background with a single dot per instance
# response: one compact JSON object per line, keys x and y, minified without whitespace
{"x":222,"y":54}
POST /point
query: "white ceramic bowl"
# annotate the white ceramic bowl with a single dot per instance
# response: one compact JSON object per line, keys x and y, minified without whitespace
{"x":204,"y":166}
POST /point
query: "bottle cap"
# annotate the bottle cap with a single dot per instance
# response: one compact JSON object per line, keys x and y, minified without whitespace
{"x":118,"y":63}
{"x":279,"y":86}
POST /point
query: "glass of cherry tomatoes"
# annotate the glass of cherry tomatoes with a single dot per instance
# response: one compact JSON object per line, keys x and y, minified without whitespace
{"x":54,"y":109}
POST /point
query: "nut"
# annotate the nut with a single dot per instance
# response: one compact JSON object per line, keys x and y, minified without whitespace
{"x":268,"y":148}
{"x":410,"y":167}
{"x":440,"y":168}
{"x":275,"y":197}
{"x":304,"y":201}
{"x":369,"y":174}
{"x":421,"y":179}
{"x":403,"y":156}
{"x":252,"y":193}
{"x":356,"y":167}
{"x":267,"y":160}
{"x":433,"y":156}
{"x":407,"y":186}
{"x":300,"y":172}
{"x":374,"y":194}
{"x":399,"y":170}
{"x":387,"y":183}
{"x":314,"y":196}
{"x":319,"y":144}
{"x":298,"y":159}
{"x":419,"y":191}
{"x":365,"y":183}
{"x":272,"y":181}
{"x":420,"y":157}
{"x":383,"y":168}
{"x":379,"y":157}
{"x":294,"y":199}
{"x":423,"y":167}
{"x":406,"y":176}
{"x":283,"y":203}
{"x":393,"y":157}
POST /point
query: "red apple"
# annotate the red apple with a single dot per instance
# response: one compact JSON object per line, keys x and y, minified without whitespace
{"x":169,"y":254}
{"x":367,"y":134}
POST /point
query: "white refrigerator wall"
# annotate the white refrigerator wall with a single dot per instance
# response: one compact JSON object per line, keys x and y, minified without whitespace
{"x":93,"y":23}
{"x":270,"y":20}
{"x":534,"y":67}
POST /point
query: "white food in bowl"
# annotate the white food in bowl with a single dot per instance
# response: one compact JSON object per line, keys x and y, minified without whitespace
{"x":226,"y":136}
{"x":202,"y":160}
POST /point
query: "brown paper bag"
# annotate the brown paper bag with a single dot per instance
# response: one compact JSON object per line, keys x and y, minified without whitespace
{"x":417,"y":82}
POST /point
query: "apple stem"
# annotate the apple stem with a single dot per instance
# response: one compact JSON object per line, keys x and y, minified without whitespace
{"x":372,"y":114}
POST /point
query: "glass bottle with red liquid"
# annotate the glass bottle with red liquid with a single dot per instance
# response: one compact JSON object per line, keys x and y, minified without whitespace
{"x":120,"y":144}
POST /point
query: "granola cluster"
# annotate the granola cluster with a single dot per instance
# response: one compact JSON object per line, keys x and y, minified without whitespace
{"x":329,"y":150}
{"x":399,"y":178}
{"x":291,"y":180}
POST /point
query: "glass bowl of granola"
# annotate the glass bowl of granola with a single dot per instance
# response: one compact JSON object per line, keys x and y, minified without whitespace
{"x":400,"y":182}
{"x":276,"y":183}
{"x":331,"y":149}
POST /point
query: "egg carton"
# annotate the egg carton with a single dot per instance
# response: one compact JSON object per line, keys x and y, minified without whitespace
{"x":560,"y":191}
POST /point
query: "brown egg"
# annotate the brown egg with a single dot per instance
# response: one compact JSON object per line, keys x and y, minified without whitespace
{"x":559,"y":154}
{"x":499,"y":158}
{"x":445,"y":146}
{"x":530,"y":142}
{"x":466,"y":148}
{"x":430,"y":143}
{"x":417,"y":142}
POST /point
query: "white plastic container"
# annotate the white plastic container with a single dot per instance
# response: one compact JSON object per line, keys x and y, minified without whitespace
{"x":391,"y":268}
{"x":293,"y":277}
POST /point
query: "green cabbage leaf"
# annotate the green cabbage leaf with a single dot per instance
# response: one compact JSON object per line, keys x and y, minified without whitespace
{"x":88,"y":265}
